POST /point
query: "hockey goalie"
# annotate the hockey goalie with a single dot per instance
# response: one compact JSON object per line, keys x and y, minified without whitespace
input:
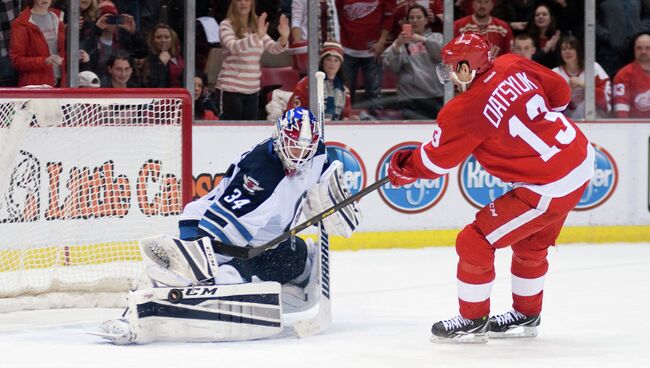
{"x":200,"y":295}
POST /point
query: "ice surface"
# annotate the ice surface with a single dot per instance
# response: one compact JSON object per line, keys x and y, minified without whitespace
{"x":596,"y":314}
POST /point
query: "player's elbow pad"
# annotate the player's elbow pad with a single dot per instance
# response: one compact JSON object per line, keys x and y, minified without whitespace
{"x":330,"y":191}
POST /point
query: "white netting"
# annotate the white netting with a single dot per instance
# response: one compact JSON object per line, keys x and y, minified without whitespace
{"x":76,"y":196}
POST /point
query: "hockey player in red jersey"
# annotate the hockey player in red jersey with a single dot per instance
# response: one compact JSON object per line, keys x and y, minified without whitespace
{"x":508,"y":115}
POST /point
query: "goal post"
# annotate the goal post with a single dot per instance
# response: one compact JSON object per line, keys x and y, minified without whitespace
{"x":84,"y":173}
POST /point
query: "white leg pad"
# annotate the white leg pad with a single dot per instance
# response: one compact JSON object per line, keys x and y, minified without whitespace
{"x":199,"y":314}
{"x":297,"y":299}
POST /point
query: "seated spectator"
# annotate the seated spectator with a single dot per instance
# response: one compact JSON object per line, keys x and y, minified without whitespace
{"x":88,"y":79}
{"x":572,"y":69}
{"x":244,"y":38}
{"x":204,"y":108}
{"x":165,"y":61}
{"x":140,"y":67}
{"x":542,"y":28}
{"x":524,"y":46}
{"x":119,"y":70}
{"x":37,"y":43}
{"x":632,"y":82}
{"x":337,"y":95}
{"x":116,"y":32}
{"x":494,"y":29}
{"x":413,"y":57}
{"x":329,"y":25}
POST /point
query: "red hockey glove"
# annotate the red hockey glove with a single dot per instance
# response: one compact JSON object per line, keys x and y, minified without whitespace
{"x":396,"y":172}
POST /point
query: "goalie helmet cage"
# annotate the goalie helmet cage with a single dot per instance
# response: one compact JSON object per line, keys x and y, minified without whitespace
{"x":84,"y":173}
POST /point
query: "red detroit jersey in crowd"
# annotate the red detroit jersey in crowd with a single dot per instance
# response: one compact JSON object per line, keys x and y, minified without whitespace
{"x":511,"y":127}
{"x":632,"y":92}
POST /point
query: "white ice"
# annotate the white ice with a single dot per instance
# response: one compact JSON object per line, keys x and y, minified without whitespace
{"x":596,"y":314}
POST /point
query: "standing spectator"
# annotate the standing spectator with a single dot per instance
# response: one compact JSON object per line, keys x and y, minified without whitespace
{"x":617,"y":22}
{"x":119,"y":70}
{"x":542,"y":28}
{"x":365,"y":26}
{"x":412,"y":58}
{"x":37,"y":40}
{"x":434,"y":15}
{"x":524,"y":46}
{"x":115,"y":32}
{"x":496,"y":30}
{"x":329,"y":21}
{"x":572,"y":69}
{"x":518,"y":13}
{"x":165,"y":61}
{"x":632,"y":82}
{"x":8,"y":11}
{"x":204,"y":108}
{"x":337,"y":95}
{"x":88,"y":18}
{"x":244,"y":39}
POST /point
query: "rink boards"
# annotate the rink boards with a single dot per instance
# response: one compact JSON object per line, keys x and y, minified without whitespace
{"x":615,"y":208}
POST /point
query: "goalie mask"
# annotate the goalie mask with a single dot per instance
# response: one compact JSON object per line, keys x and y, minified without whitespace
{"x":469,"y":48}
{"x":295,"y":138}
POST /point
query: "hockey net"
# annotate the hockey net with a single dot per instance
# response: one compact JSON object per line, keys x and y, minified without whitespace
{"x":84,"y":173}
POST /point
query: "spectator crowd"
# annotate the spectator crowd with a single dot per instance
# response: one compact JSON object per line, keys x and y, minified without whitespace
{"x":379,"y":56}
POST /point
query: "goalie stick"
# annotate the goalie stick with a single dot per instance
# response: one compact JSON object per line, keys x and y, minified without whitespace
{"x":323,"y":318}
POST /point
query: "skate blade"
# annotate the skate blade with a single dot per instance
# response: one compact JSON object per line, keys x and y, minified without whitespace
{"x":461,"y":339}
{"x":515,"y":333}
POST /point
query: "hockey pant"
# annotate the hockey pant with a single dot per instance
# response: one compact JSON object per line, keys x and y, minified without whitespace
{"x":528,"y":222}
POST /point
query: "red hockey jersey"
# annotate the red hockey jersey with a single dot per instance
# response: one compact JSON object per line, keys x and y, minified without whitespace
{"x":497,"y":31}
{"x":508,"y":120}
{"x":362,"y":22}
{"x":632,"y":92}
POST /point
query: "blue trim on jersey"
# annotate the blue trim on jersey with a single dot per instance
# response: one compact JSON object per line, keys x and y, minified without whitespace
{"x":215,"y":218}
{"x":232,"y":219}
{"x":214,"y":231}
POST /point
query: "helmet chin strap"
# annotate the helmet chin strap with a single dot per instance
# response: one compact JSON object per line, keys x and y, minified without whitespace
{"x":463,"y":86}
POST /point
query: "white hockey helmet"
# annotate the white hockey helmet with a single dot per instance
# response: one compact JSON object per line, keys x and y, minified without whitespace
{"x":295,"y":138}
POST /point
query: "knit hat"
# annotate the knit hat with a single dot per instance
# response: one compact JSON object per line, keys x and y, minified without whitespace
{"x":108,"y":7}
{"x":88,"y":79}
{"x":332,"y":48}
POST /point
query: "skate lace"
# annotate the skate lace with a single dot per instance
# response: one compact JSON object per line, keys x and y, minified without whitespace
{"x":456,"y":322}
{"x":509,"y":317}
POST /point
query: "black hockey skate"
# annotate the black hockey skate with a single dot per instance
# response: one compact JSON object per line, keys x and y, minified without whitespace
{"x":461,"y":330}
{"x":513,"y":324}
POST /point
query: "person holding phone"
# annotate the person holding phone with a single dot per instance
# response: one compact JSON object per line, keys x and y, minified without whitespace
{"x":412,"y":58}
{"x":116,"y":32}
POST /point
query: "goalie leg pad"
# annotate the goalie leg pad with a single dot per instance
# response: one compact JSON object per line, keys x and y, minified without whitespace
{"x":176,"y":262}
{"x":331,"y":190}
{"x":296,"y":298}
{"x":199,"y":314}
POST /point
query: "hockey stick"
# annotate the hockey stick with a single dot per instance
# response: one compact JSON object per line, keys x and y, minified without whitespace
{"x":247,"y":252}
{"x":320,"y":98}
{"x":323,"y":318}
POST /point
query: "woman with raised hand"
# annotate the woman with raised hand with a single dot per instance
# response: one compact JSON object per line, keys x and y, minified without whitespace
{"x":244,"y":38}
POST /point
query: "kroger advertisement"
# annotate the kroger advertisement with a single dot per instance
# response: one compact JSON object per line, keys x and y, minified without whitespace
{"x":617,"y":194}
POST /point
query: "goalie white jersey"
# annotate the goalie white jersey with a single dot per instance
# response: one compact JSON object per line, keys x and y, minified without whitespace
{"x":255,"y":201}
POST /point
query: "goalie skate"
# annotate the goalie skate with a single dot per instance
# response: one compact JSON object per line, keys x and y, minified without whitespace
{"x":460,"y":330}
{"x":513,"y":324}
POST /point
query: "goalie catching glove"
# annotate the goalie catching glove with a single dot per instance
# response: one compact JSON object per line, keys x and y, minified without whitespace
{"x":329,"y":191}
